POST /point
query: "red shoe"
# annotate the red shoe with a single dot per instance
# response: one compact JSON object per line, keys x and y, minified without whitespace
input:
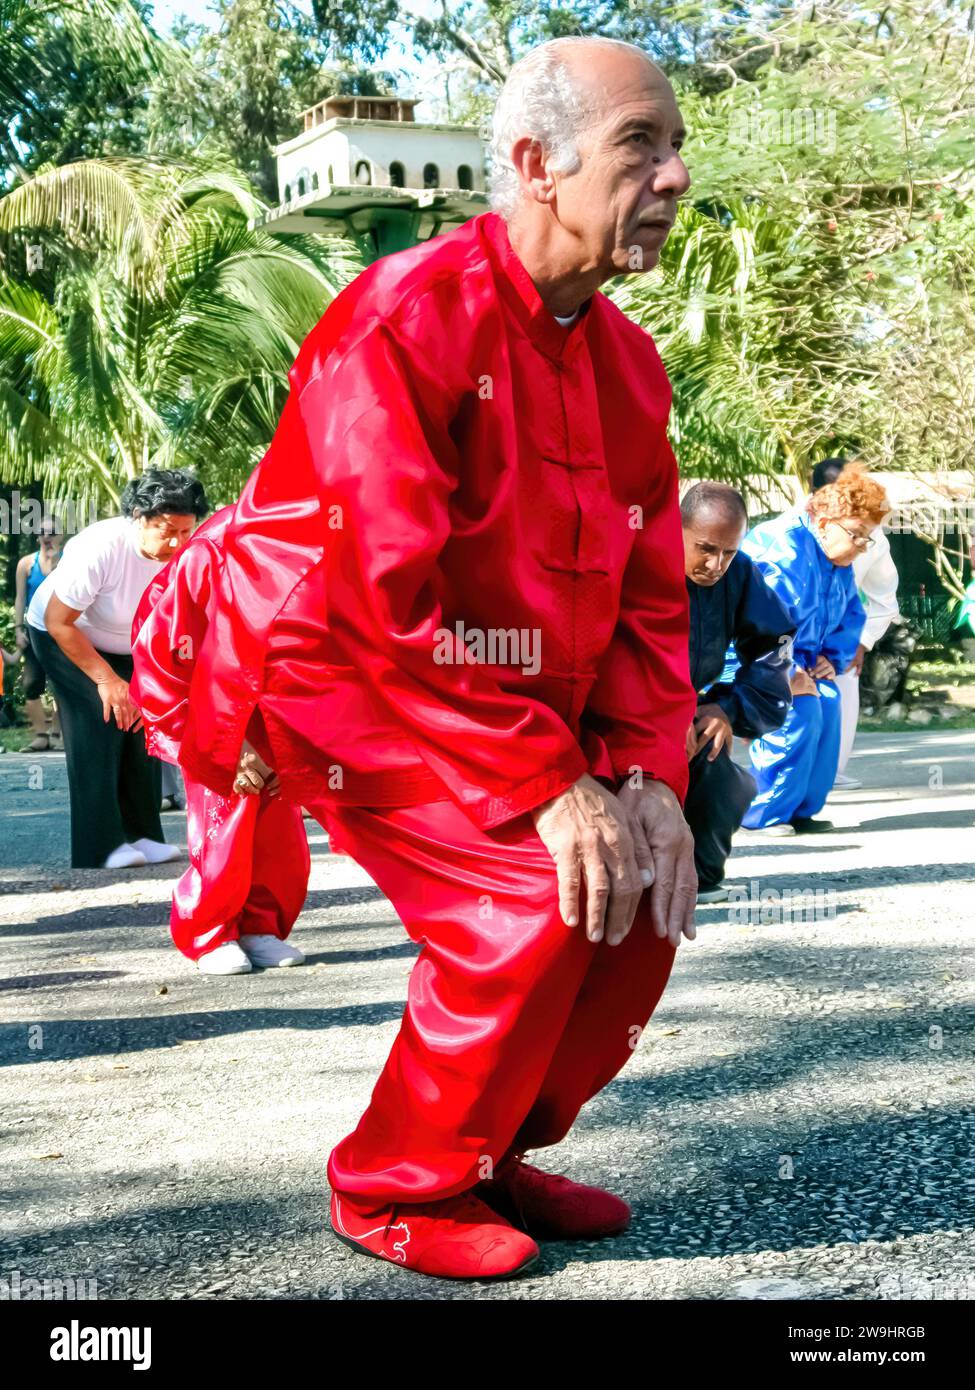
{"x":550,"y":1207}
{"x":455,"y":1238}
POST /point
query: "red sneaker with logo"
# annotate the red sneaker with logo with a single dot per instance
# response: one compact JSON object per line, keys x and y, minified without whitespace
{"x":456,"y":1238}
{"x":550,"y":1207}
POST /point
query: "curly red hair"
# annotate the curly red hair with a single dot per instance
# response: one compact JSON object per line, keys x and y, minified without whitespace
{"x":854,"y":494}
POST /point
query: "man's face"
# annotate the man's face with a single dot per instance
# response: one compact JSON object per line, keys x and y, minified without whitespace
{"x":622,"y":203}
{"x":711,"y":542}
{"x":163,"y":535}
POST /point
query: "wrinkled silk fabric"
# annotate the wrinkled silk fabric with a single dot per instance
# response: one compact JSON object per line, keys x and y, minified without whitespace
{"x":454,"y":467}
{"x":249,"y":859}
{"x":513,"y":1019}
{"x":168,"y":631}
{"x":248,"y":872}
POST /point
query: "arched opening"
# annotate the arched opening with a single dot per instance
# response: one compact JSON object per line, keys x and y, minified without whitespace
{"x":314,"y":182}
{"x":465,"y":178}
{"x":397,"y":175}
{"x":301,"y":188}
{"x":431,"y":176}
{"x":287,"y":192}
{"x":331,"y":176}
{"x":363,"y":172}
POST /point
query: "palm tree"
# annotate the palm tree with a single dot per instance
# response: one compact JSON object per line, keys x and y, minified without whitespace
{"x":763,"y":335}
{"x":158,"y":329}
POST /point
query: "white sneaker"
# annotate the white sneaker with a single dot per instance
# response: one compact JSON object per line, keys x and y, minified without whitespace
{"x":227,"y":959}
{"x":779,"y":830}
{"x":270,"y":950}
{"x":125,"y":857}
{"x":843,"y":783}
{"x":155,"y":852}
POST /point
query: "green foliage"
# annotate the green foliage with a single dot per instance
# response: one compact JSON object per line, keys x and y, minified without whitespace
{"x":73,"y":79}
{"x":816,"y":297}
{"x":159,"y":330}
{"x":246,"y":84}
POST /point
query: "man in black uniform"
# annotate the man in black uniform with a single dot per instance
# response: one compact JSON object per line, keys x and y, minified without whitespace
{"x":745,"y":690}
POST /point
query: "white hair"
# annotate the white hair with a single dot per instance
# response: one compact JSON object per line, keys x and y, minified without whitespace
{"x":542,"y":98}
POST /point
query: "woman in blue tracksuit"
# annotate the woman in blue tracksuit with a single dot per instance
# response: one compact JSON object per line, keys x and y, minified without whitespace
{"x":807,"y":557}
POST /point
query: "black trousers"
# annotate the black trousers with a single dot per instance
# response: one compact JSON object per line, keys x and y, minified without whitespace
{"x":113,"y":784}
{"x":32,"y":676}
{"x":717,"y":799}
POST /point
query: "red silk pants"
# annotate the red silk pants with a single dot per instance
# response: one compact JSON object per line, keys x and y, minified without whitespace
{"x":513,"y":1020}
{"x":248,"y":873}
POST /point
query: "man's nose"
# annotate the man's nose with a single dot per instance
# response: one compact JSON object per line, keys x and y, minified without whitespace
{"x":671,"y":176}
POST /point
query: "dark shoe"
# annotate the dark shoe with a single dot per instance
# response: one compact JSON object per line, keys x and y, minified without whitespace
{"x":717,"y":894}
{"x":550,"y":1207}
{"x":806,"y":825}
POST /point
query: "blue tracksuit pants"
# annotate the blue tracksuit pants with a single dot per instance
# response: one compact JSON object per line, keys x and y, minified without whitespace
{"x":794,"y":767}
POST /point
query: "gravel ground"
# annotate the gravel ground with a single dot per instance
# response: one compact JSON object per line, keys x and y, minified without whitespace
{"x":797,"y":1121}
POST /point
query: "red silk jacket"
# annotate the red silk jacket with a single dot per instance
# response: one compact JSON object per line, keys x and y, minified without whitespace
{"x":169,"y":629}
{"x":458,"y":570}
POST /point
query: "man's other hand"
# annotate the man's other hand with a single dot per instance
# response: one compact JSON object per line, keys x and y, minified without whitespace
{"x":664,"y":844}
{"x":253,"y":774}
{"x":802,"y":683}
{"x":856,"y":665}
{"x":711,"y":722}
{"x":586,"y":831}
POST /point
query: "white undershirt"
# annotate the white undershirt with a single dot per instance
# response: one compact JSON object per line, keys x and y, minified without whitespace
{"x":103,"y":574}
{"x":565,"y":322}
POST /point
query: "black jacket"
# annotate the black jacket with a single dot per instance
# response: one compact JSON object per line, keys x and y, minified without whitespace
{"x":738,"y":658}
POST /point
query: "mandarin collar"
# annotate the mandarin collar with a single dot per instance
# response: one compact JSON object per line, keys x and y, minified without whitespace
{"x":539,"y":323}
{"x":824,"y":559}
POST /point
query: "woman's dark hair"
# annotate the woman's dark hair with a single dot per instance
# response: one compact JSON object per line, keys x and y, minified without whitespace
{"x":165,"y":490}
{"x":826,"y":472}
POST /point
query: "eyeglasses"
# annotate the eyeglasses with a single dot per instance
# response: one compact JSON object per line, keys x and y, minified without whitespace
{"x":861,"y":542}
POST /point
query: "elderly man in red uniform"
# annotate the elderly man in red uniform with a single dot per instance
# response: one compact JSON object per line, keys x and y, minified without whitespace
{"x":453,"y":619}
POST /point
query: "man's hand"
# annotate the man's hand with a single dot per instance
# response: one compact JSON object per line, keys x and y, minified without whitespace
{"x":690,"y":742}
{"x":20,"y":638}
{"x":116,"y":700}
{"x":663,"y":841}
{"x":856,"y":665}
{"x":802,"y":683}
{"x":711,"y":722}
{"x":824,"y":670}
{"x":586,"y":832}
{"x":253,"y":774}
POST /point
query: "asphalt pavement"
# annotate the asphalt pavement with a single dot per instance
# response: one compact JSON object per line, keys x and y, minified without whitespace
{"x":796,"y":1122}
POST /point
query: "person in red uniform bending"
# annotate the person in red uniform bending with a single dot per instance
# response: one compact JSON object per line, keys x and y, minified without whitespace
{"x":249,"y":862}
{"x":453,"y":595}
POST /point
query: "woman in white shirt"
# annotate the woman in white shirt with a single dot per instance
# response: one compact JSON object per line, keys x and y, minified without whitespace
{"x":79,"y":622}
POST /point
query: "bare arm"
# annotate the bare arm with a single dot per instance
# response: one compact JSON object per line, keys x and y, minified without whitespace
{"x":20,"y":598}
{"x":60,"y":622}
